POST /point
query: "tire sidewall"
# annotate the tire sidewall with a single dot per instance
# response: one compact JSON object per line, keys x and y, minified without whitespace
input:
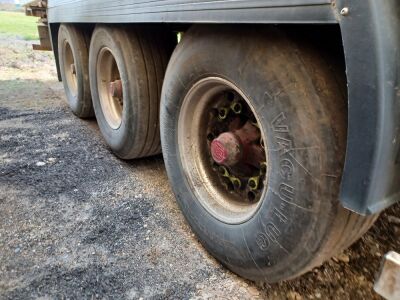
{"x":121,"y":138}
{"x":68,"y":34}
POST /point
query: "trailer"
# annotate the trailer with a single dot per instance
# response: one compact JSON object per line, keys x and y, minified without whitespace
{"x":278,"y":120}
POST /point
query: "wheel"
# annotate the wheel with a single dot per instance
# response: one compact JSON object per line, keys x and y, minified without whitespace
{"x":253,"y":135}
{"x":126,"y":69}
{"x":74,"y":59}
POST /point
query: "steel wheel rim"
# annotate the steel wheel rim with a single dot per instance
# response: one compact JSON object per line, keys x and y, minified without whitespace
{"x":109,"y":88}
{"x":209,"y":189}
{"x":70,"y":69}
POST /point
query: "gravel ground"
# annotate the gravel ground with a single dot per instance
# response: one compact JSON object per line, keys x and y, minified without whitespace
{"x":76,"y":222}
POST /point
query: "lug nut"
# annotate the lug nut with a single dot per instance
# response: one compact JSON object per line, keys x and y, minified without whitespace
{"x":210,"y":136}
{"x":236,"y":107}
{"x":236,"y":182}
{"x":253,"y":182}
{"x":222,"y":113}
{"x":251,"y":196}
{"x":228,"y":185}
{"x":223,"y":171}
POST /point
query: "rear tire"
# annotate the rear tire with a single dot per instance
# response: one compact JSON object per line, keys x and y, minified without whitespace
{"x":298,"y":222}
{"x":74,"y":59}
{"x":137,"y":59}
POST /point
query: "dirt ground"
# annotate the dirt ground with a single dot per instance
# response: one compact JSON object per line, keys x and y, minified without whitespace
{"x":76,"y":222}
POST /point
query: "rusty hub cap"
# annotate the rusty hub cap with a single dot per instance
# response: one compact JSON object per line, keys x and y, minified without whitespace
{"x":221,"y":146}
{"x":227,"y":149}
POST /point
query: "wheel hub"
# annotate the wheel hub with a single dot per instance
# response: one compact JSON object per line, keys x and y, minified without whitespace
{"x":221,"y":147}
{"x":116,"y":88}
{"x":110,"y":88}
{"x":70,"y":68}
{"x":73,"y":69}
{"x":226,"y":149}
{"x":237,"y":153}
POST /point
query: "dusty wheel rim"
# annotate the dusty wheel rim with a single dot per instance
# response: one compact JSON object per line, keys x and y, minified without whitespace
{"x":109,"y":88}
{"x":70,"y":69}
{"x":227,"y":178}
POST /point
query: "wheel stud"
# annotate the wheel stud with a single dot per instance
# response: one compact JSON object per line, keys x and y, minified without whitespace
{"x":253,"y":182}
{"x":228,"y":185}
{"x":236,"y":107}
{"x":236,"y":182}
{"x":222,"y":113}
{"x":251,"y":196}
{"x":223,"y":171}
{"x":210,"y":136}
